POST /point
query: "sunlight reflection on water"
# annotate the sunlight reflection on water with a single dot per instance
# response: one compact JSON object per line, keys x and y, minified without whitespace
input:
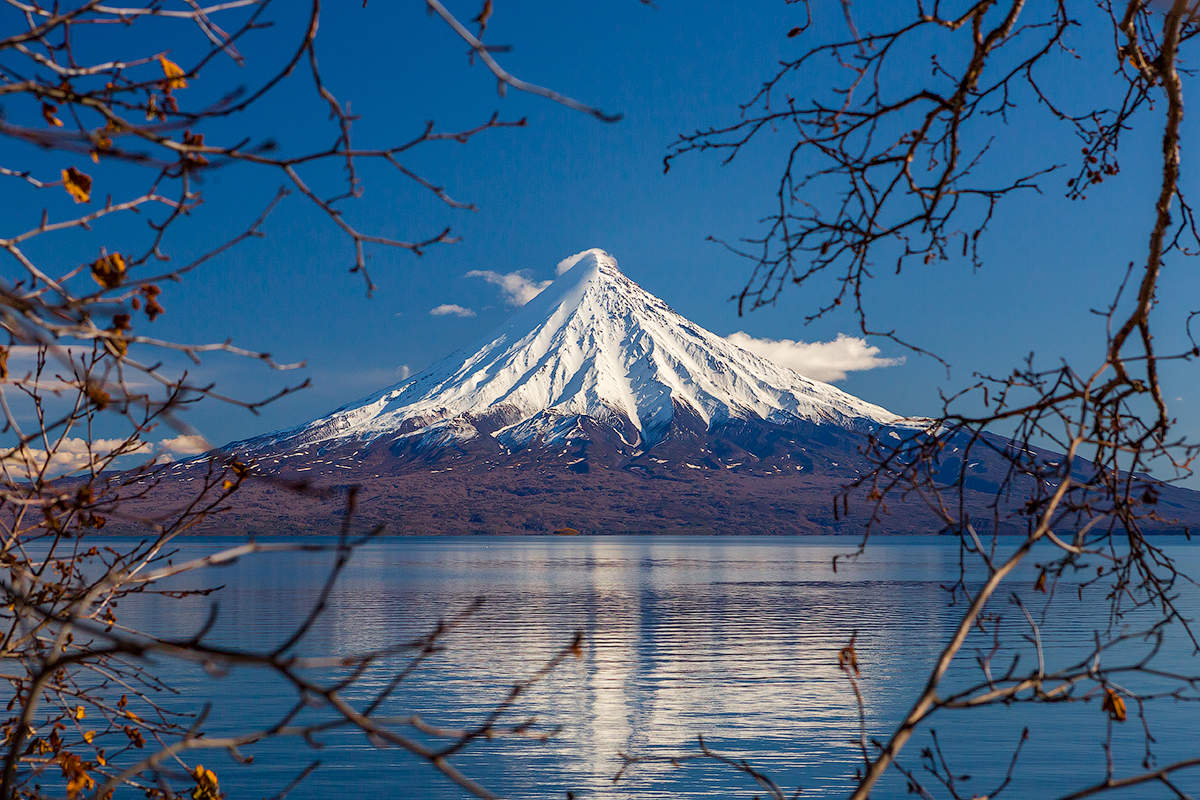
{"x":732,"y":638}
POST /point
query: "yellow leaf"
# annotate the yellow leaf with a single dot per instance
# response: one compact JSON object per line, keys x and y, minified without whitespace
{"x":78,"y":184}
{"x":79,"y":712}
{"x":174,"y":73}
{"x":1040,"y":584}
{"x":80,"y":782}
{"x":3,"y":364}
{"x":88,"y":736}
{"x":74,"y":769}
{"x":207,"y":787}
{"x":109,"y":270}
{"x":1114,"y":704}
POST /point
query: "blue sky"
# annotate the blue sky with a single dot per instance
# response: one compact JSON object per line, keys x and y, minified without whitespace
{"x":567,"y":182}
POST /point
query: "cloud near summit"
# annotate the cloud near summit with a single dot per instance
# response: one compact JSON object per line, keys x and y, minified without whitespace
{"x":516,"y":286}
{"x":821,"y":361}
{"x":451,"y":310}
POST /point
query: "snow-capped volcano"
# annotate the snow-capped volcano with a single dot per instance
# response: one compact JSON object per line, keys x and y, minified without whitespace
{"x":593,"y":345}
{"x":595,"y":408}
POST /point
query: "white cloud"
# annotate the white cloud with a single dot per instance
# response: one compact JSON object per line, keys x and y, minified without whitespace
{"x":69,"y":455}
{"x":74,"y":454}
{"x":451,"y":309}
{"x":518,"y":289}
{"x":821,"y":361}
{"x":183,"y":445}
{"x":571,"y":261}
{"x":403,"y":371}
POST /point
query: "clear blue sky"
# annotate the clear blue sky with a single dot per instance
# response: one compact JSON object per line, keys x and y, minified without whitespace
{"x":568,"y":182}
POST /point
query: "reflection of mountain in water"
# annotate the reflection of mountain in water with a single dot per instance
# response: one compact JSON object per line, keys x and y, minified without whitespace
{"x":733,"y":639}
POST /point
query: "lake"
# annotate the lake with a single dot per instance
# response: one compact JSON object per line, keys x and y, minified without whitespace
{"x":735,"y":639}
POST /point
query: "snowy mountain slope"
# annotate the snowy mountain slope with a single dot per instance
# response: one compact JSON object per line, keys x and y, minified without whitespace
{"x":592,"y":345}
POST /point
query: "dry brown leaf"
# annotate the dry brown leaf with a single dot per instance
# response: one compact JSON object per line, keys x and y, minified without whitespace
{"x":97,"y":395}
{"x":194,"y":140}
{"x":48,"y":115}
{"x":848,"y":659}
{"x":109,"y":270}
{"x":153,"y":309}
{"x":484,"y":16}
{"x":78,"y":184}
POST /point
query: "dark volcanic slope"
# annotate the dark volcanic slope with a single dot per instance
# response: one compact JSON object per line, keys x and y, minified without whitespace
{"x":737,"y":479}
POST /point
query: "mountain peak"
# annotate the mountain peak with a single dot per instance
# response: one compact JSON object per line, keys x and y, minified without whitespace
{"x":591,"y":262}
{"x":594,"y":269}
{"x":592,"y":345}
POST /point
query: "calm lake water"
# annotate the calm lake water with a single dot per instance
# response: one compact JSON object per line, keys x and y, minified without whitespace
{"x":732,"y":638}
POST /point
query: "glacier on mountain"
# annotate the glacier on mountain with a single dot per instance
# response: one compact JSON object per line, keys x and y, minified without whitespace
{"x":593,"y":344}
